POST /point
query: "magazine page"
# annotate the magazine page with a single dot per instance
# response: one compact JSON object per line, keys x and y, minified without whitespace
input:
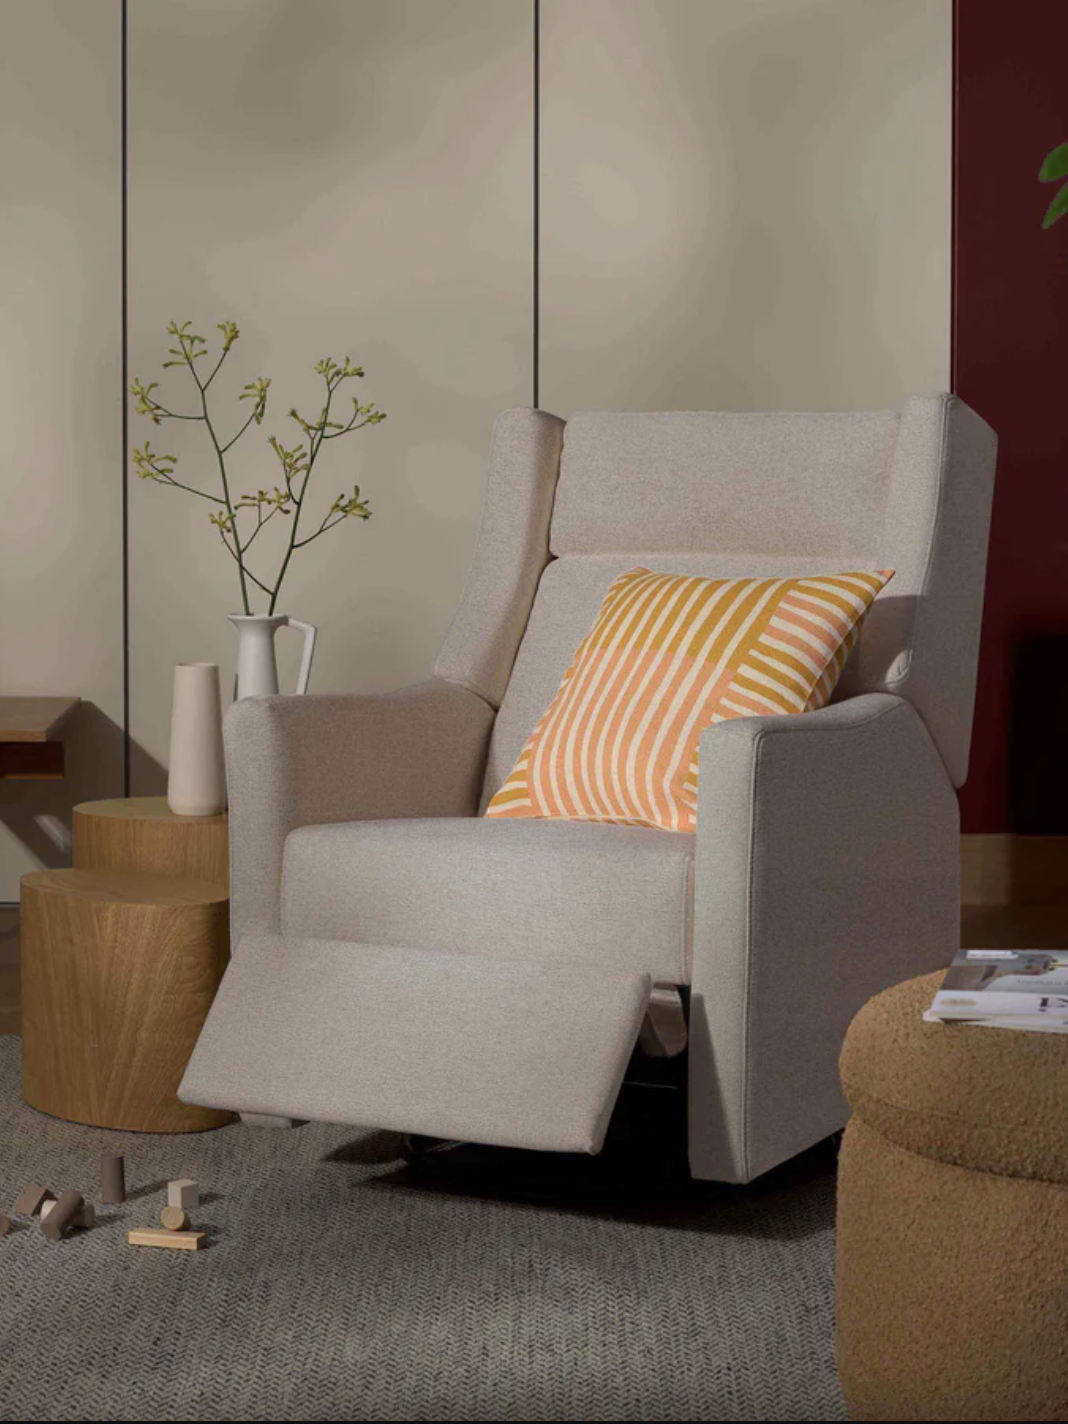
{"x":1034,"y":1024}
{"x":1000,"y":983}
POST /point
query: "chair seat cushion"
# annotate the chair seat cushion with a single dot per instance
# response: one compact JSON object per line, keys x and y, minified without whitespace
{"x":531,"y":890}
{"x":989,"y":1099}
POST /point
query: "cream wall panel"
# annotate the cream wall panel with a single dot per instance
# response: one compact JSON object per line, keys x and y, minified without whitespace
{"x":61,"y":375}
{"x":745,"y":203}
{"x":339,"y":177}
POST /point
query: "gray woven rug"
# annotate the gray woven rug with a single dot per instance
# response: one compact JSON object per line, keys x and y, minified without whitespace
{"x":338,"y":1286}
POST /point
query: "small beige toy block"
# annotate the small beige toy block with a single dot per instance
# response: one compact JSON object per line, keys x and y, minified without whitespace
{"x":183,"y":1192}
{"x":32,"y":1199}
{"x":174,"y":1218}
{"x":176,"y":1240}
{"x":112,"y":1178}
{"x":84,"y":1221}
{"x":64,"y":1214}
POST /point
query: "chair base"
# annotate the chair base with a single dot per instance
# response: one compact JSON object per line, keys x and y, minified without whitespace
{"x":643,"y":1160}
{"x":644,"y":1156}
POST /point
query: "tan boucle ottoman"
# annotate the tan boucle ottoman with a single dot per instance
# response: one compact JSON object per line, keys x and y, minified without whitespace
{"x":952,"y":1217}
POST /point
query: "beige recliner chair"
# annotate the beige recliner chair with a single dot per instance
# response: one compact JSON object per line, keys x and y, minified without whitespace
{"x":402,"y":963}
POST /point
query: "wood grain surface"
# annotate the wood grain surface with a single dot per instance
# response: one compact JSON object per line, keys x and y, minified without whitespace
{"x":143,"y":833}
{"x":119,"y":969}
{"x":34,"y":719}
{"x":170,"y":1240}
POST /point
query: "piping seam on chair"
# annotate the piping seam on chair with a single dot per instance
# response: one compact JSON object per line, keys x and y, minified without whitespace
{"x":936,"y":522}
{"x":750,"y":878}
{"x":687,"y":921}
{"x":834,"y":730}
{"x":478,"y":692}
{"x":935,"y":527}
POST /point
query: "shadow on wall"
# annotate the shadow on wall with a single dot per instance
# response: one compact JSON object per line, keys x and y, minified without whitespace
{"x":1037,"y":749}
{"x":38,"y":813}
{"x":147,"y":776}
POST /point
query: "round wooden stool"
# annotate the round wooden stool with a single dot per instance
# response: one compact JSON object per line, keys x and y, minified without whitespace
{"x":121,"y":958}
{"x":143,"y":833}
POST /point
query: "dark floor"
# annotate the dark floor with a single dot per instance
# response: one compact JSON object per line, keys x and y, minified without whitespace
{"x":9,"y":971}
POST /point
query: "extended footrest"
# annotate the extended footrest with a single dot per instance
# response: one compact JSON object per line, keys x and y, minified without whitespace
{"x":419,"y":1041}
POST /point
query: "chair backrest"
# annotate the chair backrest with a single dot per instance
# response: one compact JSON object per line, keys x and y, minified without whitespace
{"x":568,"y":507}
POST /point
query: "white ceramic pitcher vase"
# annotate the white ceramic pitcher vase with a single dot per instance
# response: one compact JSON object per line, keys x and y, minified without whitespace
{"x":257,"y":667}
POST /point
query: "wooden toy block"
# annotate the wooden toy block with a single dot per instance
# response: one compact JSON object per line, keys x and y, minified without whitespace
{"x":174,"y":1218}
{"x":84,"y":1221}
{"x":5,"y":1224}
{"x":63,"y":1215}
{"x":32,"y":1199}
{"x":112,"y":1178}
{"x":184,"y":1193}
{"x":176,"y":1240}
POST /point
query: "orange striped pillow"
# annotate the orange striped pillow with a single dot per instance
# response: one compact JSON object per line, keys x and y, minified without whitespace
{"x":668,"y":656}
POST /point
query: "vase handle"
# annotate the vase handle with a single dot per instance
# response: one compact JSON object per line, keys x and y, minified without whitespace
{"x":309,"y":631}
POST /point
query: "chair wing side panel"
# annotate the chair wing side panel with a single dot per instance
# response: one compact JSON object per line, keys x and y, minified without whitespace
{"x":511,"y":551}
{"x":921,"y":639}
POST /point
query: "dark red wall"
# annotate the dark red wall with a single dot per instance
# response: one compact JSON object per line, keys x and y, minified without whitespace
{"x":1010,"y":362}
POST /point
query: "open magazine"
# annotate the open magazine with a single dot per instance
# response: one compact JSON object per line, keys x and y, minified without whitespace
{"x":1005,"y":988}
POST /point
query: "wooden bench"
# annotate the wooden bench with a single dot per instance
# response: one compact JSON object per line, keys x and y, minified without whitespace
{"x":30,"y":749}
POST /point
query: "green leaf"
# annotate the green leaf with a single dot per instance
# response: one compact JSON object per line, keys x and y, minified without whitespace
{"x":1057,"y":208}
{"x":1055,"y":165}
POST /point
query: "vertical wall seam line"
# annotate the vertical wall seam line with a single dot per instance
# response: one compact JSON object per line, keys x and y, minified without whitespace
{"x":125,"y":416}
{"x":954,"y":96}
{"x":537,"y":204}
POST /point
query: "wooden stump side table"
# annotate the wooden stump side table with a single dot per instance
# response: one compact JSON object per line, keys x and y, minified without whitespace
{"x":121,"y":958}
{"x":143,"y":833}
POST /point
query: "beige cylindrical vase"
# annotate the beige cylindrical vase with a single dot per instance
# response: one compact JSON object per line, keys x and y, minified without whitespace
{"x":196,"y":784}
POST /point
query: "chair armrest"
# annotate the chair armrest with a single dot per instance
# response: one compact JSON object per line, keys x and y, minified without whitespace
{"x":299,"y":761}
{"x":827,"y":868}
